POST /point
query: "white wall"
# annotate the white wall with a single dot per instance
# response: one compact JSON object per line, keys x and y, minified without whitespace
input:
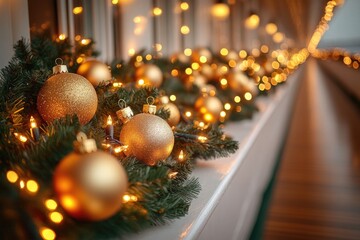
{"x":344,"y":28}
{"x":14,"y":24}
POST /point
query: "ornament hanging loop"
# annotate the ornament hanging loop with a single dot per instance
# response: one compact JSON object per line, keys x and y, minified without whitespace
{"x":60,"y":67}
{"x":150,"y":100}
{"x":125,"y":113}
{"x":149,"y":107}
{"x":59,"y":61}
{"x":83,"y":144}
{"x":122,"y":103}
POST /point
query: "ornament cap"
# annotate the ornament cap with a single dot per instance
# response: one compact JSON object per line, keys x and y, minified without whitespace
{"x":125,"y":114}
{"x":84,"y":144}
{"x":149,"y":107}
{"x":59,"y":68}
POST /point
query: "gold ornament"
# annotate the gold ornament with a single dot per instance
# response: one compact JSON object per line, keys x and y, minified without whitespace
{"x":66,"y":94}
{"x":149,"y":138}
{"x":94,"y":71}
{"x":149,"y":74}
{"x":240,"y":83}
{"x":209,"y":107}
{"x":90,"y":183}
{"x":174,"y":118}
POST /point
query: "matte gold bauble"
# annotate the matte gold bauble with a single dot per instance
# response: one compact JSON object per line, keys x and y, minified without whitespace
{"x":67,"y":94}
{"x":149,"y":138}
{"x":174,"y":118}
{"x":94,"y":71}
{"x":240,"y":83}
{"x":90,"y":186}
{"x":209,"y":107}
{"x":150,"y":74}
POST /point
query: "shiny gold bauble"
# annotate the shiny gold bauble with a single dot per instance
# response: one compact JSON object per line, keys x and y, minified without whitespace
{"x":209,"y":107}
{"x":67,"y":94}
{"x":240,"y":83}
{"x":90,"y":186}
{"x":94,"y":71}
{"x":150,"y":74}
{"x":149,"y":138}
{"x":174,"y":118}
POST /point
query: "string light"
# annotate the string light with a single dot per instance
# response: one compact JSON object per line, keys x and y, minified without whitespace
{"x":202,"y":139}
{"x":227,"y":106}
{"x":181,"y":156}
{"x":12,"y":176}
{"x":117,"y":84}
{"x":22,"y":184}
{"x":120,"y":149}
{"x":185,"y":30}
{"x":220,"y":11}
{"x":187,"y":52}
{"x":203,"y":59}
{"x":322,"y":26}
{"x":77,"y":10}
{"x":62,"y":36}
{"x":129,"y":198}
{"x":188,"y":114}
{"x":21,"y":137}
{"x":32,"y":186}
{"x":172,"y":175}
{"x":56,"y":217}
{"x":157,"y":11}
{"x":172,"y":98}
{"x":50,"y":204}
{"x":252,"y":21}
{"x":131,"y":52}
{"x":47,"y":233}
{"x":271,"y":28}
{"x":184,"y":6}
{"x":34,"y":130}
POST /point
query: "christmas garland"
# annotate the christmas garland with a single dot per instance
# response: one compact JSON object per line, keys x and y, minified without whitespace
{"x":32,"y":157}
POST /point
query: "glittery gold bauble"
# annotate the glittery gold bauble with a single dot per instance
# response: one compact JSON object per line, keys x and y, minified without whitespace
{"x":94,"y":71}
{"x":174,"y":118}
{"x":209,"y":107}
{"x":149,"y":138}
{"x":90,"y":186}
{"x":67,"y":93}
{"x":150,"y":74}
{"x":240,"y":83}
